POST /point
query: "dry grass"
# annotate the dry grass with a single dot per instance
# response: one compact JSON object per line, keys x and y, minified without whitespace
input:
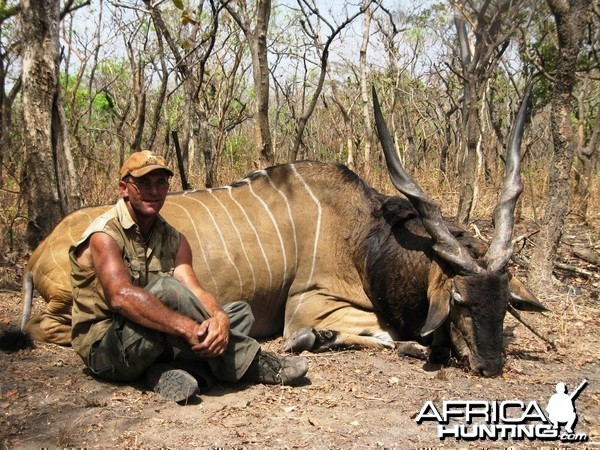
{"x":99,"y":187}
{"x":446,"y":192}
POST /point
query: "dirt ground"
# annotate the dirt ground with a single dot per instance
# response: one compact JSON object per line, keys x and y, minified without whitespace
{"x":350,"y":399}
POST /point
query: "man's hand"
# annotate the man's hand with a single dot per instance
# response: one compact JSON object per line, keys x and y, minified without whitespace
{"x":213,"y":336}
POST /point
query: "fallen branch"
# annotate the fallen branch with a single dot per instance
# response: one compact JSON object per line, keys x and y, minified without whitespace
{"x":570,"y":268}
{"x":478,"y":234}
{"x":378,"y":399}
{"x":524,"y":262}
{"x":525,"y":236}
{"x":515,"y":241}
{"x":428,"y":388}
{"x":520,"y":260}
{"x":587,"y":255}
{"x":530,"y":327}
{"x":9,"y":291}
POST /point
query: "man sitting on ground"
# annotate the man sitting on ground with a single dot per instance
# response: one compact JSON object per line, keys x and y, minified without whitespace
{"x":139,"y":308}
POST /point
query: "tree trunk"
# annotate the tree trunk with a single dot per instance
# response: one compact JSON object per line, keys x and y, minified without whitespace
{"x":6,"y":105}
{"x":470,"y":129}
{"x":492,"y":24}
{"x":162,"y":91}
{"x":44,"y":136}
{"x":568,"y":18}
{"x":69,"y":194}
{"x":586,"y":153}
{"x":260,"y":74}
{"x":257,"y":41}
{"x":364,"y":91}
{"x":139,"y":95}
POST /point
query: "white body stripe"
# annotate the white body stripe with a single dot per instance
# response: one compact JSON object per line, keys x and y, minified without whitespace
{"x":255,"y":232}
{"x":292,"y":222}
{"x":201,"y":247}
{"x":241,"y":241}
{"x":309,"y":280}
{"x":222,"y":238}
{"x":279,"y":238}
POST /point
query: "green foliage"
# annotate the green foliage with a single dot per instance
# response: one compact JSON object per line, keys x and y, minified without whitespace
{"x":101,"y":103}
{"x":323,"y":153}
{"x":415,"y":34}
{"x":237,"y":151}
{"x":7,"y":11}
{"x":83,"y":98}
{"x":437,"y":16}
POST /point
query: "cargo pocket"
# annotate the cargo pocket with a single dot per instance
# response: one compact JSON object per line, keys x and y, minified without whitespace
{"x":140,"y":348}
{"x":134,"y":268}
{"x":160,"y":268}
{"x":100,"y":363}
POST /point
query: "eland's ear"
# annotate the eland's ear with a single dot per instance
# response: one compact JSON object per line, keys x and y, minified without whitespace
{"x":522,"y":299}
{"x":439,"y":292}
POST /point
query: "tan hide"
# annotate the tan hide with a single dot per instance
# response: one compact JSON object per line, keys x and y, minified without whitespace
{"x":281,"y":241}
{"x":49,"y":265}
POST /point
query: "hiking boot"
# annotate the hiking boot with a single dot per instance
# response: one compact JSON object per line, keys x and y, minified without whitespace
{"x":173,"y":384}
{"x":268,"y":368}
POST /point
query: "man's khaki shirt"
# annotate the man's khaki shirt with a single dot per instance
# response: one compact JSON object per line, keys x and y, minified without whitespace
{"x":145,"y":262}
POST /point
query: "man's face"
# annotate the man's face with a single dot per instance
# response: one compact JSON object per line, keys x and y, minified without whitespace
{"x":146,"y":194}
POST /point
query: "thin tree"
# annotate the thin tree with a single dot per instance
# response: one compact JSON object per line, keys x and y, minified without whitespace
{"x":311,"y":12}
{"x":587,"y":153}
{"x":588,"y":126}
{"x":492,"y":24}
{"x":364,"y":89}
{"x":7,"y":99}
{"x":568,"y":17}
{"x":256,"y":35}
{"x":190,"y":57}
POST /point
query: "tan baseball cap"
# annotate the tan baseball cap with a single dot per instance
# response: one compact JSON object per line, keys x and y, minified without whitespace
{"x":141,"y":163}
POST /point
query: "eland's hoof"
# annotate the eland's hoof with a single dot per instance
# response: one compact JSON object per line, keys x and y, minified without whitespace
{"x":412,"y":350}
{"x":303,"y":339}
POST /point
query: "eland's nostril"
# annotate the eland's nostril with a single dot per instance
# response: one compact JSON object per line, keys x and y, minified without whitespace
{"x":488,"y":368}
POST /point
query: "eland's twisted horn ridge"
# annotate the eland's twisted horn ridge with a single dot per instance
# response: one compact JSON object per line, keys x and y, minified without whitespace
{"x":501,"y":248}
{"x":446,"y":244}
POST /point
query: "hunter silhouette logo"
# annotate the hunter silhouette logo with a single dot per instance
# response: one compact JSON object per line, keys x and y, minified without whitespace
{"x":561,"y":406}
{"x":509,"y":419}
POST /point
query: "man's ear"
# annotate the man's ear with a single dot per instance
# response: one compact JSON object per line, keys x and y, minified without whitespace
{"x":123,"y":189}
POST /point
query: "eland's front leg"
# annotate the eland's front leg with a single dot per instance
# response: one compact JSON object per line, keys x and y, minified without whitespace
{"x":314,"y":340}
{"x":320,"y":322}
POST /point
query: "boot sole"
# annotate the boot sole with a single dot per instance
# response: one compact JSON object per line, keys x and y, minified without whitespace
{"x":175,"y":384}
